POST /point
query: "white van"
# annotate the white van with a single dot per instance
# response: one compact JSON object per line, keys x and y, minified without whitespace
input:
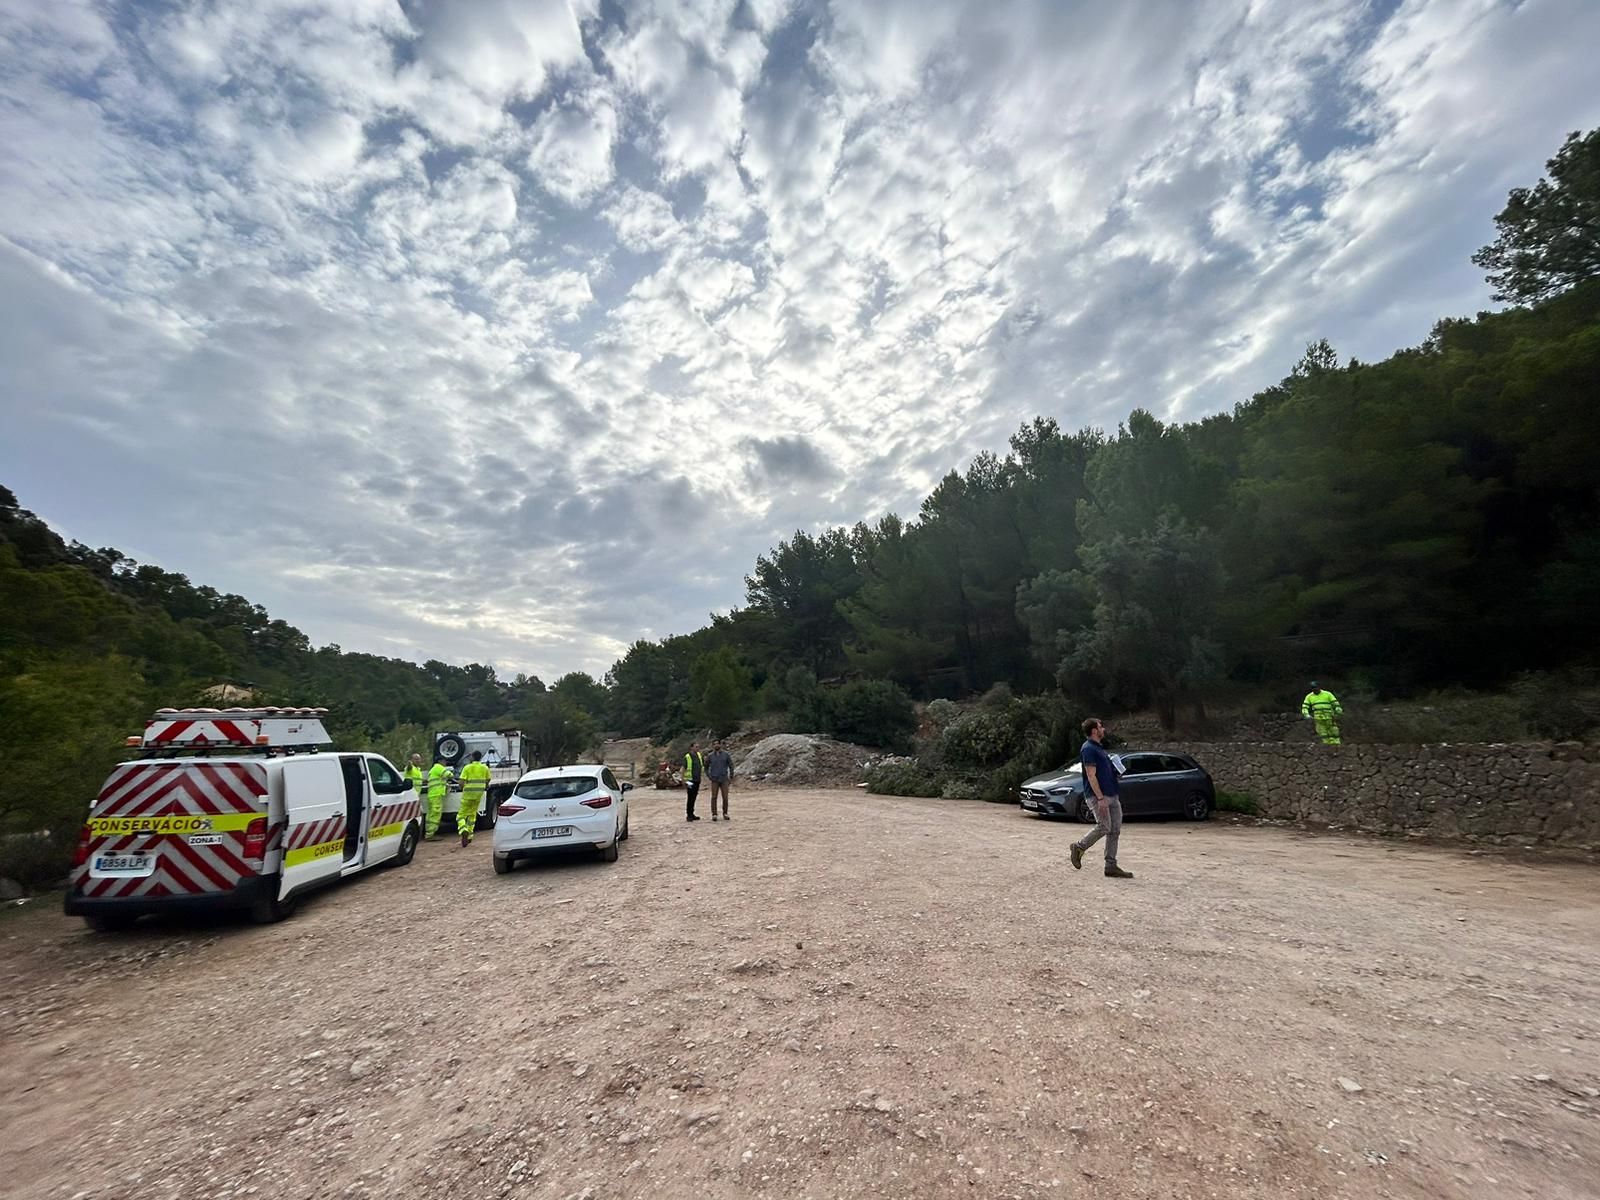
{"x":236,"y":808}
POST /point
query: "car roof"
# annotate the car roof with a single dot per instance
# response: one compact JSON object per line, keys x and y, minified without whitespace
{"x":558,"y":772}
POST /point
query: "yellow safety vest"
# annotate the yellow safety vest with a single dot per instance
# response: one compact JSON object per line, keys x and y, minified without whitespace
{"x":1323,"y":704}
{"x":439,"y":779}
{"x":474,"y":779}
{"x":414,"y":776}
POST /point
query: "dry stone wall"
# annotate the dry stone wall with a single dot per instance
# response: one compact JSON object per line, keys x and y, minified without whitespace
{"x":1513,"y":794}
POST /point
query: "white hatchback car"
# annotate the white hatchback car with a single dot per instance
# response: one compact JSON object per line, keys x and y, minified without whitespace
{"x":559,"y":808}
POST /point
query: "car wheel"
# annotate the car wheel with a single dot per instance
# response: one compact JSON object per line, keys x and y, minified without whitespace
{"x":1197,"y":806}
{"x":408,"y":846}
{"x":1084,"y":813}
{"x":609,"y":854}
{"x":623,"y":836}
{"x":503,"y":864}
{"x":110,"y":922}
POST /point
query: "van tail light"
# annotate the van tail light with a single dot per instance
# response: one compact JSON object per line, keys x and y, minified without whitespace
{"x":509,"y":810}
{"x":81,"y":854}
{"x":597,"y":801}
{"x":255,"y":839}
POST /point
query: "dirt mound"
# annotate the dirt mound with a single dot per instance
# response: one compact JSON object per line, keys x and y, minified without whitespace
{"x":803,"y":758}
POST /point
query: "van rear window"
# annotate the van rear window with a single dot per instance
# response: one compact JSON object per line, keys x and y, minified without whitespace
{"x":563,"y":788}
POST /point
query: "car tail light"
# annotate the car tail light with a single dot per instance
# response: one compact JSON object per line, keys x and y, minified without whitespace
{"x":255,"y":839}
{"x":597,"y":801}
{"x":81,"y":854}
{"x":509,"y":810}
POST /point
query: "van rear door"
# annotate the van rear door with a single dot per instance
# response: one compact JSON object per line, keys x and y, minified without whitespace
{"x":174,"y":828}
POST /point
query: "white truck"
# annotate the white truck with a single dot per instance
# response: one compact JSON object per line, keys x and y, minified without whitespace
{"x":236,"y":808}
{"x":508,"y":755}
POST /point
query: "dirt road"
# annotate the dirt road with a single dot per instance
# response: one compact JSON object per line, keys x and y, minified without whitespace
{"x":833,"y":996}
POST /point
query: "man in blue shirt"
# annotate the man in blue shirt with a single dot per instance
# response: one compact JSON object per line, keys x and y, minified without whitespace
{"x":1100,"y":786}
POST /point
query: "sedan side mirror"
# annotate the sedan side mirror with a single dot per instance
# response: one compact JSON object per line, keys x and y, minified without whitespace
{"x":627,"y":787}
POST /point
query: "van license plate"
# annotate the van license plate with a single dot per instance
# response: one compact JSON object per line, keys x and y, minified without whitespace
{"x":124,"y":864}
{"x":553,"y":831}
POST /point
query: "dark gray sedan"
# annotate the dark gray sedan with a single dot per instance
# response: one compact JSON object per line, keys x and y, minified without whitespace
{"x":1152,"y":784}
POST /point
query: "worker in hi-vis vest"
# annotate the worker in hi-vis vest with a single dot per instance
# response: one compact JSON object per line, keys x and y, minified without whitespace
{"x":439,"y":777}
{"x":694,"y":766}
{"x":418,"y":779}
{"x":474,"y":783}
{"x":1324,"y":709}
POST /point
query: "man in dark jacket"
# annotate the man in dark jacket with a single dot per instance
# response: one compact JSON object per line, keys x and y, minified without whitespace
{"x":693,"y":768}
{"x":719,"y":769}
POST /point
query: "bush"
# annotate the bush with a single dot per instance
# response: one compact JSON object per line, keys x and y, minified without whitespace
{"x":1549,"y":709}
{"x":941,"y":712}
{"x":986,"y":737}
{"x":1237,"y":802}
{"x":873,"y":712}
{"x":902,"y":777}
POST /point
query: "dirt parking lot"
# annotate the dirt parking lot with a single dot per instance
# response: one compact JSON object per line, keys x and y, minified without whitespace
{"x":834,"y":995}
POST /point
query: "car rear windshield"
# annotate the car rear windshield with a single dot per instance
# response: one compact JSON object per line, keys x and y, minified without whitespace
{"x":562,"y":788}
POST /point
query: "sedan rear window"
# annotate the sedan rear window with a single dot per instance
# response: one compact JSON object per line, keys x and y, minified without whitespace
{"x":561,"y":788}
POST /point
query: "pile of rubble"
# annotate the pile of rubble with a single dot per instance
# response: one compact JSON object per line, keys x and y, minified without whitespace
{"x":803,"y":759}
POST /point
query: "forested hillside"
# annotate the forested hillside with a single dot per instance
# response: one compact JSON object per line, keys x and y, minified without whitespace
{"x":1429,"y":520}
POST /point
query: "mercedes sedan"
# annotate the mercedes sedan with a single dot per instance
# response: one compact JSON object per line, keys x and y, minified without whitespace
{"x":1151,"y":784}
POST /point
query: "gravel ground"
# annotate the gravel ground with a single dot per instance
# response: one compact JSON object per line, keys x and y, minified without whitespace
{"x":833,"y":996}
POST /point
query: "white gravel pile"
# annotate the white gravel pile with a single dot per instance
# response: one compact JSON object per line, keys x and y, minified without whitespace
{"x":803,"y":758}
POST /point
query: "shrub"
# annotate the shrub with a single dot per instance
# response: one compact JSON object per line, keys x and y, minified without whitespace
{"x":963,"y":787}
{"x":999,"y":696}
{"x":1548,"y":708}
{"x":902,"y":777}
{"x":1237,"y":802}
{"x":987,"y":737}
{"x":873,"y":712}
{"x":941,"y":712}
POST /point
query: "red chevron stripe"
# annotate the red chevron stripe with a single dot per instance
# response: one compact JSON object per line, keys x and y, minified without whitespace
{"x":180,"y":878}
{"x":197,"y":863}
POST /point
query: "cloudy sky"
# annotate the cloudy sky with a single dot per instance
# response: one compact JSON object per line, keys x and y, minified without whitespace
{"x":512,"y":330}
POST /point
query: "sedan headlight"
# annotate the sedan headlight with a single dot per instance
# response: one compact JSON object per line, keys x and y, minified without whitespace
{"x":1064,"y":791}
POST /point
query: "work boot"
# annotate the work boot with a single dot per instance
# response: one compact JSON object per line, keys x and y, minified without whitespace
{"x":713,"y":816}
{"x":726,"y":817}
{"x":1115,"y":872}
{"x":1077,"y":857}
{"x":466,"y":840}
{"x":692,"y":817}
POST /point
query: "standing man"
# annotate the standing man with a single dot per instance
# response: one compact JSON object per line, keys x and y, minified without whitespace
{"x":693,"y":767}
{"x":439,"y":777}
{"x":719,"y":769}
{"x":417,"y":778}
{"x":1324,"y":709}
{"x":1100,"y":783}
{"x":474,"y":783}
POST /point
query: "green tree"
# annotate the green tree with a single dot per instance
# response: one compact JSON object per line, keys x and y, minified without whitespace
{"x":560,"y":732}
{"x":800,"y":586}
{"x":721,"y":690}
{"x":582,"y":691}
{"x":1155,"y":611}
{"x":1550,"y":233}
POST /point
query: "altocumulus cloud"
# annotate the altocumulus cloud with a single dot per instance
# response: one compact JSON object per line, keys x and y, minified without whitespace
{"x":511,"y":331}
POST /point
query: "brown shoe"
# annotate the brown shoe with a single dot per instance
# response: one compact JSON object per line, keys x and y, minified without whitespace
{"x":466,"y":840}
{"x":1115,"y":872}
{"x":1077,"y":857}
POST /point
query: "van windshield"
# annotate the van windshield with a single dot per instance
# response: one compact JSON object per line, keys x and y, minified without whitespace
{"x":562,"y":788}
